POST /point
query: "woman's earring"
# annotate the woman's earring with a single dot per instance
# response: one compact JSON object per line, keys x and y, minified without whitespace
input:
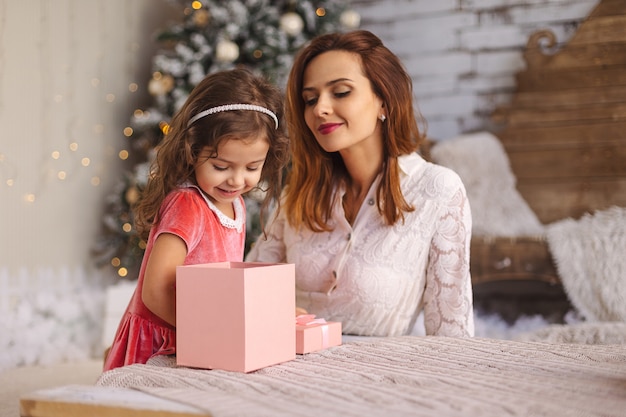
{"x":383,"y":118}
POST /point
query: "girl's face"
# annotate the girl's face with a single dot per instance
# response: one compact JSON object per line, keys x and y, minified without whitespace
{"x":235,"y":170}
{"x":341,"y":108}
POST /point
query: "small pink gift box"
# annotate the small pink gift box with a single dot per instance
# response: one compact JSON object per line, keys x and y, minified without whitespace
{"x":316,"y":334}
{"x":235,"y":316}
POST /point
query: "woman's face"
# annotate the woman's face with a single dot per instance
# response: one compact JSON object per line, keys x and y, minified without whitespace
{"x":340,"y":106}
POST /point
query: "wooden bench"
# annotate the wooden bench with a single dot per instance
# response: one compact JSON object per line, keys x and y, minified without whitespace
{"x":565,"y":130}
{"x":565,"y":135}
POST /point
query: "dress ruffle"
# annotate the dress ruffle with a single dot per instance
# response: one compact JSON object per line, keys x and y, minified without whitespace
{"x":138,"y":340}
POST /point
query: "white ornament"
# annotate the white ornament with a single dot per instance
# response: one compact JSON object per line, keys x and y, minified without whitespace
{"x":350,"y":19}
{"x":291,"y":23}
{"x":226,"y":51}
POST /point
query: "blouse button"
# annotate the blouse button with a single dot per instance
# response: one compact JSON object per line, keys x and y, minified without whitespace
{"x":370,"y":201}
{"x":335,"y":274}
{"x":349,"y":236}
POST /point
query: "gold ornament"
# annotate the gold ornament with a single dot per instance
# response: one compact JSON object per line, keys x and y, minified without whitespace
{"x":201,"y":18}
{"x":132,"y":195}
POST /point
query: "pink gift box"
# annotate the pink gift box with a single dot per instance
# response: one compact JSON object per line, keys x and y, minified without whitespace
{"x":235,"y":316}
{"x":317,"y":334}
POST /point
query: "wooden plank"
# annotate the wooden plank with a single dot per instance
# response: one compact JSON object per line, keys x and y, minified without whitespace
{"x":569,"y":135}
{"x":611,"y":28}
{"x":94,"y":401}
{"x":554,"y":200}
{"x":590,"y":56}
{"x":568,"y":98}
{"x":512,"y":299}
{"x":608,"y":8}
{"x":573,"y":78}
{"x":515,"y":258}
{"x":573,"y":162}
{"x":590,"y":113}
{"x":587,"y":57}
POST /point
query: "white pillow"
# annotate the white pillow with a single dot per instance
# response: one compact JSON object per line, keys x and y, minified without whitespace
{"x":589,"y":256}
{"x":498,"y":209}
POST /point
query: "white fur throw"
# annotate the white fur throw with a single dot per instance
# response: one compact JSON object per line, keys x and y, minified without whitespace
{"x":497,"y":207}
{"x":590,"y":255}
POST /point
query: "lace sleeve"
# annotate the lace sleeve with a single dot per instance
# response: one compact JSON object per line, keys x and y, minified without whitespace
{"x":448,"y":303}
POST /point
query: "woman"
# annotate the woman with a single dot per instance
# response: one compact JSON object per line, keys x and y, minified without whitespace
{"x":376,"y":233}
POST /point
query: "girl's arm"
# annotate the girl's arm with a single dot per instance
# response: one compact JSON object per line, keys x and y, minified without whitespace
{"x":159,"y":283}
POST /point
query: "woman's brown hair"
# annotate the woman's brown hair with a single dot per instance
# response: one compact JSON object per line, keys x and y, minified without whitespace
{"x":315,"y":173}
{"x":179,"y":150}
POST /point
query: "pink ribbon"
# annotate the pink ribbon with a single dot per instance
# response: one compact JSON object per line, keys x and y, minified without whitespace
{"x":325,"y":341}
{"x":309,"y":319}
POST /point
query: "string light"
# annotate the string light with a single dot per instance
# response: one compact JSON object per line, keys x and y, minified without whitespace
{"x":7,"y":170}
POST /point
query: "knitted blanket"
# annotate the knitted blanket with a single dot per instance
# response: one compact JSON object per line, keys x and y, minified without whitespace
{"x":403,"y":376}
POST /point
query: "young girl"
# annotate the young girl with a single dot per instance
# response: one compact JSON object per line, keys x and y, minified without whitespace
{"x":223,"y":141}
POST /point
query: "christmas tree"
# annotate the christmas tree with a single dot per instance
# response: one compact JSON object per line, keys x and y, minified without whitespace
{"x":212,"y":35}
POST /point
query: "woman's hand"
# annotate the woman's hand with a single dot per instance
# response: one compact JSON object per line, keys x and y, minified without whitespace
{"x":300,"y":311}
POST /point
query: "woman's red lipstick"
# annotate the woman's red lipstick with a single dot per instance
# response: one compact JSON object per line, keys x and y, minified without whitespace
{"x":327,"y":128}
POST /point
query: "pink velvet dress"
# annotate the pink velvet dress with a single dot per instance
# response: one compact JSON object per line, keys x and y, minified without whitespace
{"x":210,"y":236}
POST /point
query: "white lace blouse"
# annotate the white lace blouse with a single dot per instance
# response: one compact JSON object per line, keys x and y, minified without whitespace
{"x":376,"y":279}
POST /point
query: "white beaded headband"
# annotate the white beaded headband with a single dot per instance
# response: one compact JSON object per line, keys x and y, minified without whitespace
{"x":230,"y":107}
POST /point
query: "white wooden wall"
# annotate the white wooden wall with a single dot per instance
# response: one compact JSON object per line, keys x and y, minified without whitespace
{"x":463,"y":54}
